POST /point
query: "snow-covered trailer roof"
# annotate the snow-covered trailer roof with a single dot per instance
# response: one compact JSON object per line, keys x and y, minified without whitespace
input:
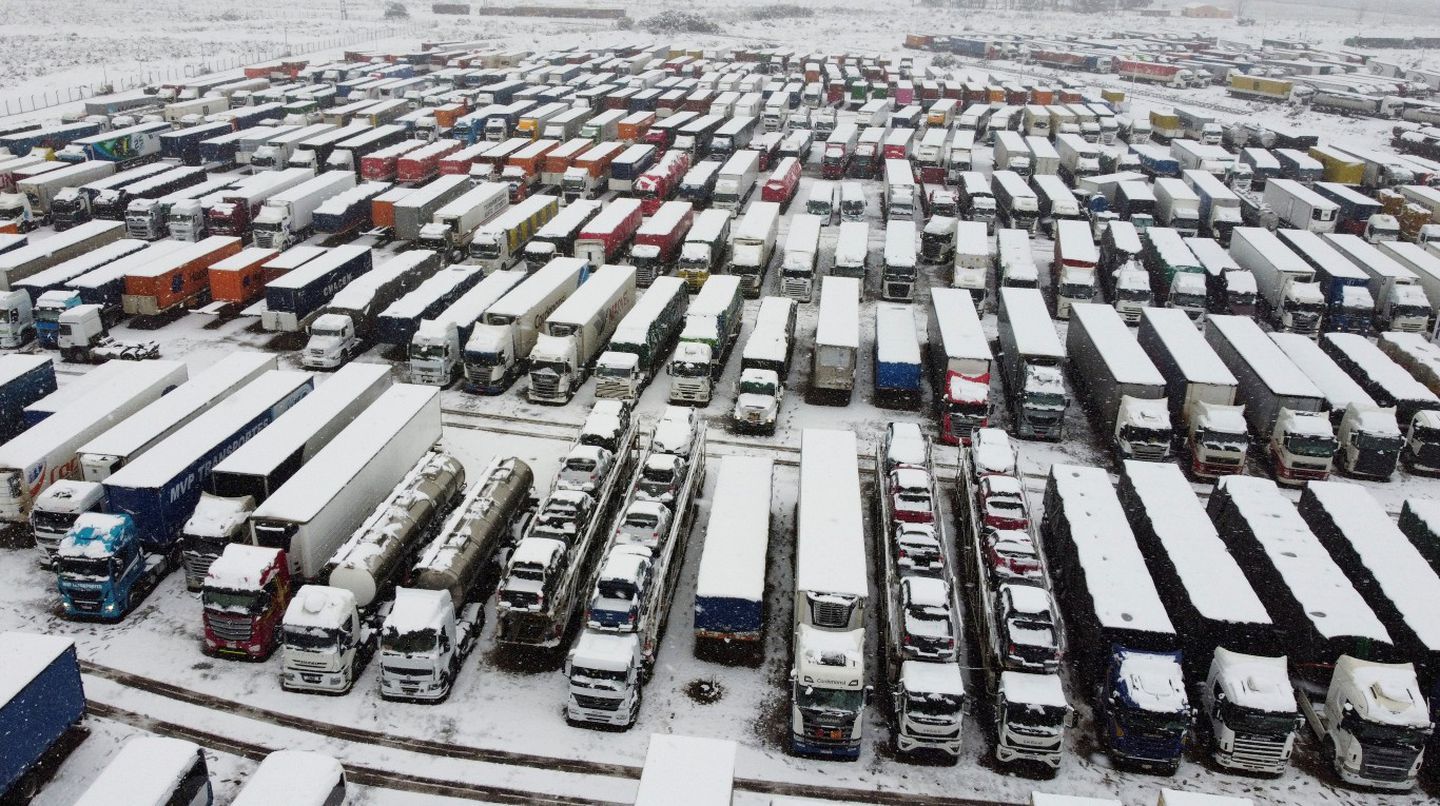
{"x":28,"y":654}
{"x":689,"y":770}
{"x":665,"y":219}
{"x":1120,"y":587}
{"x":1338,"y":388}
{"x":853,"y":243}
{"x":1369,"y":259}
{"x":361,"y":291}
{"x":1278,"y":538}
{"x":1195,"y":358}
{"x":1013,"y":183}
{"x":120,"y":267}
{"x":435,"y":189}
{"x":895,"y":338}
{"x":1025,"y":312}
{"x":1209,"y":252}
{"x":636,"y":324}
{"x":570,"y":219}
{"x":609,"y":219}
{"x":900,"y":243}
{"x":1112,"y":339}
{"x":804,"y":234}
{"x":1277,"y":372}
{"x":146,"y":770}
{"x":830,"y":523}
{"x":466,"y":310}
{"x":1319,"y":253}
{"x":760,"y":218}
{"x":291,"y":776}
{"x":592,"y":295}
{"x":839,"y":322}
{"x":971,"y":238}
{"x":1076,"y":243}
{"x":536,"y":287}
{"x":1382,"y":372}
{"x":317,"y":267}
{"x":62,"y":273}
{"x":953,"y":315}
{"x":1158,"y":495}
{"x":433,"y":288}
{"x":737,"y":536}
{"x":1171,"y":247}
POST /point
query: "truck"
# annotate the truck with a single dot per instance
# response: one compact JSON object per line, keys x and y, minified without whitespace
{"x":1301,"y":207}
{"x":47,"y":452}
{"x":1078,"y":158}
{"x":1219,"y":207}
{"x":381,"y":164}
{"x":150,"y":219}
{"x":288,"y":216}
{"x":642,"y":341}
{"x":765,"y":366}
{"x":133,"y":436}
{"x":294,"y":298}
{"x":1400,"y":300}
{"x":240,"y":205}
{"x":1016,"y":202}
{"x":1292,"y":299}
{"x":247,"y":477}
{"x":349,"y":210}
{"x":783,"y":183}
{"x":1348,"y":305}
{"x":1380,"y":376}
{"x":1032,"y":364}
{"x":314,"y":152}
{"x":322,"y":504}
{"x":456,"y":224}
{"x":753,"y":246}
{"x":104,"y":285}
{"x":831,"y":595}
{"x":420,"y":165}
{"x":706,"y":249}
{"x":730,"y":589}
{"x":834,"y":359}
{"x":799,"y":267}
{"x":659,"y":239}
{"x":590,"y":171}
{"x":557,"y":237}
{"x":574,"y":333}
{"x":436,"y":348}
{"x":126,"y":147}
{"x":543,"y":580}
{"x":736,"y":181}
{"x":659,"y":183}
{"x":113,"y":203}
{"x":496,"y":353}
{"x":397,"y":323}
{"x":275,"y":153}
{"x":1122,"y":643}
{"x":58,"y":276}
{"x":898,"y":368}
{"x":1368,"y":438}
{"x":418,"y":207}
{"x":960,"y":365}
{"x":1200,"y":391}
{"x":1378,"y":739}
{"x":1227,"y":636}
{"x":632,"y":588}
{"x":521,"y":172}
{"x":42,"y":190}
{"x":1120,"y":386}
{"x":602,"y":240}
{"x":1012,"y":153}
{"x":629,"y":165}
{"x":346,"y":325}
{"x":899,"y":198}
{"x":1177,"y":206}
{"x":243,"y":598}
{"x":1282,"y":406}
{"x":1073,"y":269}
{"x":44,"y":712}
{"x":712,"y":326}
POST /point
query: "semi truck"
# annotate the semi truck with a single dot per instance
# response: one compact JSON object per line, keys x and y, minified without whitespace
{"x":126,"y":147}
{"x":1301,"y":207}
{"x":1400,"y":301}
{"x":1177,"y":278}
{"x":457,"y":223}
{"x":247,"y":477}
{"x":642,"y":341}
{"x":436,"y":348}
{"x":834,"y":359}
{"x":898,"y":367}
{"x":496,"y":353}
{"x":712,"y":326}
{"x":557,"y":237}
{"x":43,"y":712}
{"x":730,"y":588}
{"x":1121,"y":640}
{"x":1074,"y":267}
{"x":32,"y":258}
{"x":753,"y":246}
{"x":1032,"y":363}
{"x":606,"y":235}
{"x":960,"y":364}
{"x":179,"y":279}
{"x":1200,"y":391}
{"x":348,"y":211}
{"x":396,"y":323}
{"x":501,"y":243}
{"x":418,"y":207}
{"x":1348,"y":305}
{"x":658,"y":240}
{"x":243,"y":598}
{"x":1120,"y":386}
{"x":1292,"y":298}
{"x":240,"y":205}
{"x":348,"y":323}
{"x":293,"y":299}
{"x":288,"y":216}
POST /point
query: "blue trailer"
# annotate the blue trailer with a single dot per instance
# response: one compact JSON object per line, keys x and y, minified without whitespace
{"x":51,"y":137}
{"x":184,"y":144}
{"x":24,"y":379}
{"x":1155,"y":161}
{"x":159,"y":490}
{"x":898,"y":369}
{"x":349,"y":210}
{"x":244,"y":117}
{"x":398,"y":322}
{"x":973,"y":48}
{"x":220,"y":151}
{"x":291,"y":299}
{"x":730,"y":590}
{"x":41,"y":714}
{"x":11,"y":241}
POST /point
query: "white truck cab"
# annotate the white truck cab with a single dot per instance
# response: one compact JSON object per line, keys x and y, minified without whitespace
{"x":1302,"y":446}
{"x":1217,"y":439}
{"x":324,"y":639}
{"x":757,"y":401}
{"x":1373,"y":723}
{"x":604,"y":671}
{"x":1132,"y":292}
{"x":435,"y":356}
{"x":17,"y":319}
{"x":423,"y":643}
{"x":332,"y":342}
{"x":1250,"y":705}
{"x":1142,"y":429}
{"x":56,"y":509}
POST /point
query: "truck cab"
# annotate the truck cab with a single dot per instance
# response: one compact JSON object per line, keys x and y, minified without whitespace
{"x":1302,"y":446}
{"x":1422,"y":446}
{"x":1076,"y":284}
{"x":1369,"y":442}
{"x":1382,"y":227}
{"x":604,"y":672}
{"x":215,"y":524}
{"x":1373,"y":723}
{"x":435,"y":353}
{"x":422,"y":645}
{"x":1188,"y":293}
{"x":1233,"y":291}
{"x":1302,"y":306}
{"x":17,"y":320}
{"x":56,"y":509}
{"x":691,"y":372}
{"x":757,"y":402}
{"x":930,"y":704}
{"x":102,"y":571}
{"x":490,"y":361}
{"x":1405,"y":308}
{"x":1031,"y":715}
{"x":186,"y":220}
{"x":244,"y":596}
{"x":556,"y":371}
{"x":1143,"y":711}
{"x":333,"y":341}
{"x":1217,"y":439}
{"x":1042,"y":402}
{"x":326,"y":643}
{"x":1142,"y":429}
{"x":1250,"y":707}
{"x":47,"y":315}
{"x":829,"y":697}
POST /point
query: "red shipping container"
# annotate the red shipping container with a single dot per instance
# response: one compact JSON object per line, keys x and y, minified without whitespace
{"x":178,"y":278}
{"x":239,"y":278}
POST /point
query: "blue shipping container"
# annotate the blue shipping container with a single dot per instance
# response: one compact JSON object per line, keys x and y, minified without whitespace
{"x":23,"y":380}
{"x":46,"y":700}
{"x":308,"y":298}
{"x":728,"y":617}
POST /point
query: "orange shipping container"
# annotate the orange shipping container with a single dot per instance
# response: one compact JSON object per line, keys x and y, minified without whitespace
{"x":239,"y":278}
{"x":178,"y":278}
{"x":634,"y":126}
{"x":445,"y":116}
{"x":382,"y":207}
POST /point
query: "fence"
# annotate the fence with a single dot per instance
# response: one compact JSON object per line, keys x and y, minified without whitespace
{"x":48,"y":98}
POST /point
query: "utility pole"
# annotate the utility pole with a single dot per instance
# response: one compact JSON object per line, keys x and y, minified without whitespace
{"x":344,"y":12}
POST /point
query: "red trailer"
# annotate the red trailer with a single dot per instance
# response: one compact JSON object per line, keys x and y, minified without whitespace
{"x":552,"y":169}
{"x":607,"y":233}
{"x":459,"y":162}
{"x":658,"y":184}
{"x":423,"y":164}
{"x":379,"y":166}
{"x":658,"y":241}
{"x":783,"y":183}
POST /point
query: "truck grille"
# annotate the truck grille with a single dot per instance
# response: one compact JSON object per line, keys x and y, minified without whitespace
{"x":230,"y":628}
{"x":646,"y":275}
{"x":897,"y":291}
{"x":612,"y":389}
{"x":1386,"y":763}
{"x":1148,"y":453}
{"x":689,"y":390}
{"x":85,"y":600}
{"x":1257,"y":753}
{"x":797,"y":288}
{"x":299,"y":663}
{"x":596,"y":703}
{"x":545,"y":385}
{"x":196,"y":567}
{"x":830,"y":614}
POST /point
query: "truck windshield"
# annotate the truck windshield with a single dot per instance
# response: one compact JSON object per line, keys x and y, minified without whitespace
{"x":1019,"y":715}
{"x":1044,"y":399}
{"x":1135,"y":433}
{"x":557,"y":367}
{"x":1077,"y":290}
{"x":756,"y":388}
{"x":1265,"y":723}
{"x":1371,"y":733}
{"x":414,"y":642}
{"x":233,"y":601}
{"x":922,"y":702}
{"x":1307,"y":445}
{"x":46,"y":521}
{"x":427,"y":351}
{"x":1378,"y":442}
{"x":85,"y":568}
{"x":1241,"y":300}
{"x":484,"y":358}
{"x":266,"y":226}
{"x":690,"y":369}
{"x":1221,"y":440}
{"x":1187,"y":301}
{"x":311,"y":639}
{"x":597,"y":674}
{"x":1149,"y":722}
{"x":486,"y":249}
{"x":844,"y":701}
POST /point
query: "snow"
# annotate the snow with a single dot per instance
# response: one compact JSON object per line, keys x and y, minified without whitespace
{"x":932,"y":678}
{"x":1195,"y":359}
{"x":608,"y":286}
{"x":413,"y":305}
{"x":1171,"y":246}
{"x":28,"y":654}
{"x":537,"y":287}
{"x":316,"y":267}
{"x":1325,"y":595}
{"x":1119,"y":584}
{"x":1382,"y":371}
{"x":320,"y":480}
{"x":1024,"y":309}
{"x":606,"y":652}
{"x":199,"y":394}
{"x":1320,"y":253}
{"x":62,"y":273}
{"x":737,"y":535}
{"x":1174,"y":797}
{"x":830,"y":531}
{"x":900,"y":243}
{"x":1211,"y":576}
{"x":1040,"y":690}
{"x":1338,"y":388}
{"x":839,"y":324}
{"x":416,"y":610}
{"x":1154,"y":681}
{"x":1112,"y":340}
{"x":194,"y":440}
{"x":1257,"y":682}
{"x":146,"y":769}
{"x":1393,"y":685}
{"x":1401,"y":572}
{"x":953,"y":316}
{"x":217,"y":517}
{"x":895,"y":339}
{"x":291,"y":776}
{"x":1262,"y":356}
{"x":240,"y":567}
{"x":685,"y":769}
{"x":1045,"y":799}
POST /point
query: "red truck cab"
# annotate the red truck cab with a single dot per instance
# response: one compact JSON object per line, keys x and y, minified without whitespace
{"x":245,"y":595}
{"x":783,"y":183}
{"x":657,"y":185}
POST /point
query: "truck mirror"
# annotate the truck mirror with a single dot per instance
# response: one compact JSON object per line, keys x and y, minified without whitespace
{"x":1071,"y":718}
{"x":869,"y":694}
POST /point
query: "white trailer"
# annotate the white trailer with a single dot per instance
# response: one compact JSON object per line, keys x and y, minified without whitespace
{"x":498,"y":345}
{"x":46,"y":452}
{"x":800,"y":264}
{"x":972,"y":259}
{"x":576,"y":332}
{"x":1300,"y":207}
{"x":1285,"y":281}
{"x":1112,"y":375}
{"x":852,"y":250}
{"x":1177,"y":206}
{"x":754,"y":245}
{"x":324,"y":502}
{"x":834,"y":359}
{"x":452,"y":230}
{"x":499,"y":243}
{"x":288,"y":215}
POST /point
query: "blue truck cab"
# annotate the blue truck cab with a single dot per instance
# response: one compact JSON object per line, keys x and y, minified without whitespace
{"x":47,"y":315}
{"x":1144,"y":713}
{"x":102,"y":570}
